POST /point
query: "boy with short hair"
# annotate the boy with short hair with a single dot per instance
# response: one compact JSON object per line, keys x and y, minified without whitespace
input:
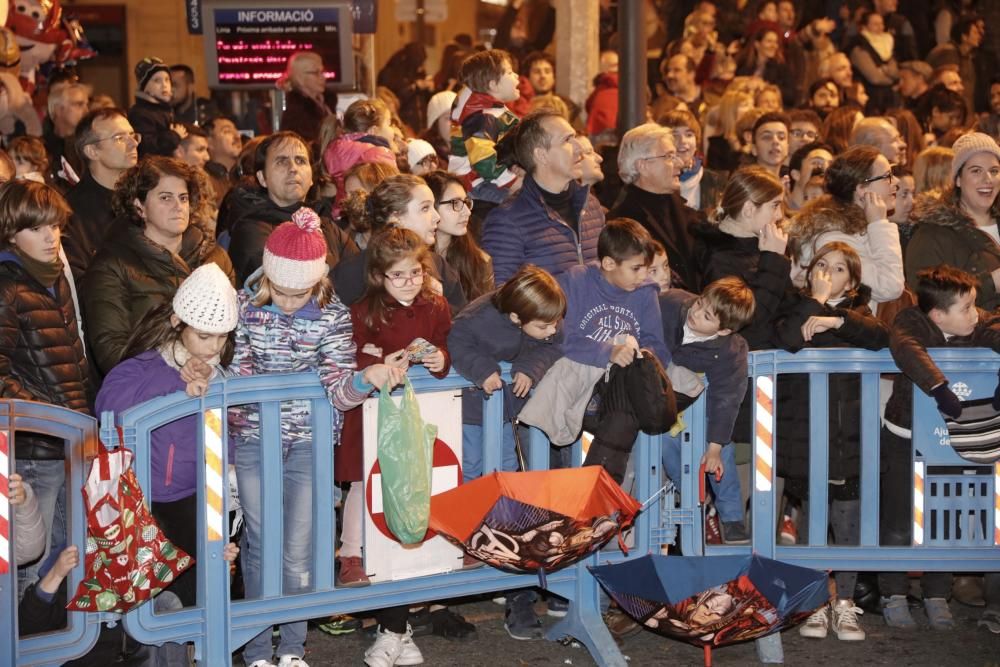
{"x":479,"y":121}
{"x":659,"y":269}
{"x":700,"y":334}
{"x":945,"y":316}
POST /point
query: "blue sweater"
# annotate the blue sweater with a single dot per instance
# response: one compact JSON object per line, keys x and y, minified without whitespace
{"x":597,"y":311}
{"x":525,"y":230}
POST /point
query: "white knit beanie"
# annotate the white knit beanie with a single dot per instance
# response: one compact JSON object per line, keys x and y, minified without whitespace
{"x":968,"y":145}
{"x":295,"y":252}
{"x":417,"y":150}
{"x":439,"y":104}
{"x":206,"y":300}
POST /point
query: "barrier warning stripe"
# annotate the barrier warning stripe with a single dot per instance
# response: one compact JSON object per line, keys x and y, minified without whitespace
{"x":764,"y":464}
{"x":213,"y":474}
{"x":996,"y":504}
{"x":918,"y":503}
{"x":4,"y":504}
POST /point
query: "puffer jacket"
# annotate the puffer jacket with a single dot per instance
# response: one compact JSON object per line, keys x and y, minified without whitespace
{"x":878,"y":246}
{"x":41,"y":354}
{"x":944,"y":234}
{"x":152,"y":119}
{"x":351,"y":149}
{"x":252,"y":216}
{"x":311,"y":339}
{"x":525,"y":230}
{"x":130,"y":277}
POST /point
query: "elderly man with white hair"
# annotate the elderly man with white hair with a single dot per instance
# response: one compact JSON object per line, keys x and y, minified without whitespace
{"x":650,"y":167}
{"x":881,"y":133}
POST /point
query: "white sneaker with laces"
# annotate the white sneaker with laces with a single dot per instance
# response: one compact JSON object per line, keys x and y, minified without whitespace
{"x":845,"y":621}
{"x":816,"y":626}
{"x":292,"y":661}
{"x":392,"y":648}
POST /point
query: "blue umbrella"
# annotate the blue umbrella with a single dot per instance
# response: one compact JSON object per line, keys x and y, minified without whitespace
{"x":714,"y":600}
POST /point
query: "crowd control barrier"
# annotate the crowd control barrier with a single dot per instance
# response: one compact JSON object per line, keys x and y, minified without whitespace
{"x":218,"y":626}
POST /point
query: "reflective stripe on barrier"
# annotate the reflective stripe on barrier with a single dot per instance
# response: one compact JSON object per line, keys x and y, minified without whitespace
{"x":213,"y":475}
{"x":764,"y":457}
{"x":918,"y":502}
{"x":6,"y":553}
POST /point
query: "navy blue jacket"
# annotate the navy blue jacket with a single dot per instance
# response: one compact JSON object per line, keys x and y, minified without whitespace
{"x":723,"y":360}
{"x":525,"y":230}
{"x":480,"y":338}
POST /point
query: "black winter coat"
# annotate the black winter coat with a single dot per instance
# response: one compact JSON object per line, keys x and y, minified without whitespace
{"x":719,"y":255}
{"x":723,"y":360}
{"x":860,"y":329}
{"x":304,"y":116}
{"x":41,"y":354}
{"x":84,"y":234}
{"x":153,"y":120}
{"x":668,"y":219}
{"x":480,"y":338}
{"x":251,"y":218}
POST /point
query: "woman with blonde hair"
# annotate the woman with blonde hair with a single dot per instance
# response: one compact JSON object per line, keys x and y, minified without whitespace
{"x":932,"y":171}
{"x":723,"y":148}
{"x":307,"y":101}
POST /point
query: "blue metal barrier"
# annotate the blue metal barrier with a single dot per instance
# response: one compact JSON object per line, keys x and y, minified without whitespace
{"x":218,"y":627}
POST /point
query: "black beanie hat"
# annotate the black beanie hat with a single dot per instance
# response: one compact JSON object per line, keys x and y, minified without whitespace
{"x":146,"y":68}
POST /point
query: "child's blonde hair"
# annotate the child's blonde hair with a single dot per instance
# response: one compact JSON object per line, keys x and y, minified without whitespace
{"x":533,"y":295}
{"x":387,"y":248}
{"x":321,"y":291}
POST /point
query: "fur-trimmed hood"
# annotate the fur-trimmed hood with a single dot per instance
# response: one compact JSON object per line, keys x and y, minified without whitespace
{"x":821,"y":215}
{"x":939,"y":211}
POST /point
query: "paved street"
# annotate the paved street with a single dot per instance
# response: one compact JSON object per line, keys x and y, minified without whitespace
{"x":966,"y":646}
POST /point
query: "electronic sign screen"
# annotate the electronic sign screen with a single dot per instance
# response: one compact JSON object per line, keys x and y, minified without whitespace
{"x":250,"y":42}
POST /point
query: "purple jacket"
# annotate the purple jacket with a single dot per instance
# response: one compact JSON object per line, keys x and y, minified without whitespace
{"x":174,"y":446}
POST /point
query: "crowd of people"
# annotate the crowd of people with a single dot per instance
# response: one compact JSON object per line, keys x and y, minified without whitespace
{"x":831,"y":182}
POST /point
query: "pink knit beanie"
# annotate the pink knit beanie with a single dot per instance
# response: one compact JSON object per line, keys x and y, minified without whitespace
{"x":295,"y":252}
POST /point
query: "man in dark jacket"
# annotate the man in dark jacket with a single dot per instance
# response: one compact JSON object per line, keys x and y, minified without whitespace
{"x":67,"y":106}
{"x":108,"y":145}
{"x":650,"y":166}
{"x":188,"y":107}
{"x":283,"y":167}
{"x":553,"y":221}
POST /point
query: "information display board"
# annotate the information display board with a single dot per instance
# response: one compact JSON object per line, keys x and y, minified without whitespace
{"x":249,"y":41}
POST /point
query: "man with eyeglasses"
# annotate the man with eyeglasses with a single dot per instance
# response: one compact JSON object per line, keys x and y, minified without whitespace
{"x":108,"y":146}
{"x":881,"y":133}
{"x":650,"y":167}
{"x":803,"y":128}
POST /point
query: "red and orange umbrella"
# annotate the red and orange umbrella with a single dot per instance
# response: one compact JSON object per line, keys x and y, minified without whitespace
{"x":535,"y":521}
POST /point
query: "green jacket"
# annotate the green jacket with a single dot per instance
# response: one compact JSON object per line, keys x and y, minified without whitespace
{"x":943,"y":234}
{"x":131,"y":276}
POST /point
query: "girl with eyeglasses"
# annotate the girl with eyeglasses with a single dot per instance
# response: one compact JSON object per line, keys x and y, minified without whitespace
{"x":861,"y":193}
{"x":453,"y":241}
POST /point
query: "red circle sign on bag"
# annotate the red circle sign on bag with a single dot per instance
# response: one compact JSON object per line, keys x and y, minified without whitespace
{"x":444,"y":456}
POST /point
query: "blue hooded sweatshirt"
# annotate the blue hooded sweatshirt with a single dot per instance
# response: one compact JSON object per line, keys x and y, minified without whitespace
{"x":597,"y":312}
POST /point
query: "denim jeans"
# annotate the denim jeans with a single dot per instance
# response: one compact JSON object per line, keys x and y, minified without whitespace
{"x":48,"y":481}
{"x":472,"y":451}
{"x":728,"y":499}
{"x":297,"y":481}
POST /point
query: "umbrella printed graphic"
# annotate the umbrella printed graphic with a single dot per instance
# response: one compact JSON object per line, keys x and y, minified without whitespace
{"x":714,"y":600}
{"x":537,"y":521}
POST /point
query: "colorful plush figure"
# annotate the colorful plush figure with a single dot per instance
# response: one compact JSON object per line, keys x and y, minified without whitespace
{"x":15,"y":104}
{"x":44,"y":35}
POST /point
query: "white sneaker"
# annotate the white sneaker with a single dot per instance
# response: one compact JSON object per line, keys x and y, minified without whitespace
{"x":292,"y":661}
{"x":816,"y":626}
{"x":391,"y":648}
{"x":845,"y":621}
{"x":262,"y":663}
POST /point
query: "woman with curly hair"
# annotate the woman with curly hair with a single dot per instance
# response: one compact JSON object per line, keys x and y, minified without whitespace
{"x":861,"y":191}
{"x":155,"y":242}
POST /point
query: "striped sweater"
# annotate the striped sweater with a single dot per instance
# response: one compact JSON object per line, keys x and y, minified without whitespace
{"x":312,"y":339}
{"x":478,"y":123}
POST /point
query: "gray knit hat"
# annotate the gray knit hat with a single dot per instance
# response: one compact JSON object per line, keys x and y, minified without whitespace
{"x":206,"y":300}
{"x":146,"y":68}
{"x":968,"y":145}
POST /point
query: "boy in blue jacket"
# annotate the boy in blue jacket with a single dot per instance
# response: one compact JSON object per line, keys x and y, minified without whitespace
{"x":700,"y":334}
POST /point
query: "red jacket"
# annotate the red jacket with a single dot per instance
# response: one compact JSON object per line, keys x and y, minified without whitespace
{"x":428,"y":318}
{"x":602,"y":105}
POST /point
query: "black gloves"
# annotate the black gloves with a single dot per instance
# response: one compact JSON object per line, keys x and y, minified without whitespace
{"x":947,"y":401}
